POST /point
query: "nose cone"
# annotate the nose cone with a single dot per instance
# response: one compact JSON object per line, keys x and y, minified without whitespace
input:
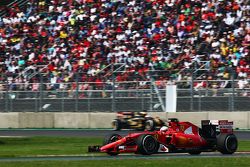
{"x":103,"y":148}
{"x":110,"y":146}
{"x":113,"y":145}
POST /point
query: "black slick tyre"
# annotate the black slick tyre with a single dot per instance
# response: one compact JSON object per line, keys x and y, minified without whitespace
{"x":111,"y":138}
{"x":147,"y":144}
{"x":116,"y":124}
{"x":227,"y":143}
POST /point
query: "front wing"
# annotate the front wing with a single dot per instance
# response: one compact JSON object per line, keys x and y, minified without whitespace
{"x":94,"y":148}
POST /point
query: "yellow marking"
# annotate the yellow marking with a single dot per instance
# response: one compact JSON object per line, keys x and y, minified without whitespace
{"x":156,"y":136}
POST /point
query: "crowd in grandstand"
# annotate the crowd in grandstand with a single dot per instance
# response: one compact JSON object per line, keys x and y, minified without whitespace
{"x":169,"y":37}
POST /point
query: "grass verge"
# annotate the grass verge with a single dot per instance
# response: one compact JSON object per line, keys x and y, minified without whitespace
{"x":194,"y":162}
{"x":33,"y":146}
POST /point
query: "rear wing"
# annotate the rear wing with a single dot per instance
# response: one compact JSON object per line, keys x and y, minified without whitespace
{"x":224,"y":126}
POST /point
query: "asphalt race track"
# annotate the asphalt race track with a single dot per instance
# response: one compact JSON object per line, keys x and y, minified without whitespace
{"x":127,"y":156}
{"x":241,"y":135}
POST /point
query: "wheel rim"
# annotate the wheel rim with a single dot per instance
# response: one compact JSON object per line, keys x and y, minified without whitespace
{"x":149,"y":144}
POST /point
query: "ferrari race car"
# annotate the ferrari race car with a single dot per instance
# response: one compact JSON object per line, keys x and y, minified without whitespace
{"x":136,"y":120}
{"x":178,"y":137}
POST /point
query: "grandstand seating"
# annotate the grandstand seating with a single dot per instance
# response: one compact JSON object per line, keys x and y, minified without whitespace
{"x":60,"y":38}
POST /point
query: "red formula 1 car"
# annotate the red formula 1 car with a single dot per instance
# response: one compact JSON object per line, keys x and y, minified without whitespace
{"x":178,"y":137}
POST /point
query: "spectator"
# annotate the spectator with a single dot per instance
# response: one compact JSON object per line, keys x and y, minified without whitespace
{"x":87,"y":36}
{"x":242,"y":83}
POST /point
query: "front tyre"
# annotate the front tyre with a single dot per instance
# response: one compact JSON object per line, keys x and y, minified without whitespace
{"x":147,"y":144}
{"x":227,"y":143}
{"x":110,"y":139}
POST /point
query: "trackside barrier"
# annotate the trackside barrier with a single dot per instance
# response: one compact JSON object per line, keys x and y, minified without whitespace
{"x":71,"y":120}
{"x":103,"y":120}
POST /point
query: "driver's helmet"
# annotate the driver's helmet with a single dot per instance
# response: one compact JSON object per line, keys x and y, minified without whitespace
{"x":164,"y":129}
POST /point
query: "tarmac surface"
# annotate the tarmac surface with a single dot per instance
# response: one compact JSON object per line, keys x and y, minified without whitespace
{"x":127,"y":156}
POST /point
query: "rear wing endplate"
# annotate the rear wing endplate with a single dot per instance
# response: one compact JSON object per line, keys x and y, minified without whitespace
{"x":224,"y":126}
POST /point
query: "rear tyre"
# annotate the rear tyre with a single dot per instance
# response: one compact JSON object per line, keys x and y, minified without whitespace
{"x":147,"y":144}
{"x":227,"y":143}
{"x":116,"y":124}
{"x":110,"y":139}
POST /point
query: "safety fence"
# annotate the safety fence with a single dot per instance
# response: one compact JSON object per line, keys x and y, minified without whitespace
{"x":122,"y":96}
